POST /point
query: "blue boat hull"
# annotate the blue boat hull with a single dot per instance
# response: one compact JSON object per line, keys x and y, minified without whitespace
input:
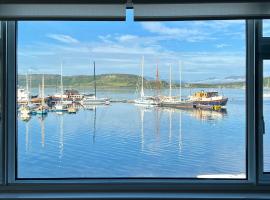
{"x":221,"y":102}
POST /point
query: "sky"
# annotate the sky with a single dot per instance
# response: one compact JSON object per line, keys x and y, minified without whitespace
{"x":208,"y":50}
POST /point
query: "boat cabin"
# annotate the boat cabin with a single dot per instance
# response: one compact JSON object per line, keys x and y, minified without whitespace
{"x":203,"y":94}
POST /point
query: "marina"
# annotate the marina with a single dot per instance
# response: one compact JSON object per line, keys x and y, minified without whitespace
{"x":71,"y":100}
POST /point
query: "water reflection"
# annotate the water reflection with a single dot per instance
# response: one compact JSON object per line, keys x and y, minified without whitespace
{"x":157,"y":112}
{"x":61,"y":143}
{"x":42,"y":127}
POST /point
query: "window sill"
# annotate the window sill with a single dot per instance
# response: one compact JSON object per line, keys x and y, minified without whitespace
{"x":137,"y":195}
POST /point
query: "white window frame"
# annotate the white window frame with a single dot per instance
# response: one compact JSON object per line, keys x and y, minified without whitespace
{"x":140,"y":187}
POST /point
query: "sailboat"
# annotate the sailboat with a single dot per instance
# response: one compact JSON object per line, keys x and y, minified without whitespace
{"x":173,"y":101}
{"x":91,"y":99}
{"x":60,"y":106}
{"x":43,"y":108}
{"x":25,"y":110}
{"x":145,"y":100}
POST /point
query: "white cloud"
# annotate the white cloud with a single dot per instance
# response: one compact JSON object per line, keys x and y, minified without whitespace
{"x":178,"y":33}
{"x":222,"y":45}
{"x":63,"y":38}
{"x":127,"y":38}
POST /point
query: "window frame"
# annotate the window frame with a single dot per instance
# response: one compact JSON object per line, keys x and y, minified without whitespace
{"x":263,"y":54}
{"x":12,"y":124}
{"x":2,"y":63}
{"x":133,"y":187}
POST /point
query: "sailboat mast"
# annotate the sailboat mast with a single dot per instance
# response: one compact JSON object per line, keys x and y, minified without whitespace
{"x":170,"y":81}
{"x":95,"y":85}
{"x":62,"y":89}
{"x":142,"y":92}
{"x":180,"y":79}
{"x":157,"y":81}
{"x":27,"y":88}
{"x":42,"y":91}
{"x":30,"y":87}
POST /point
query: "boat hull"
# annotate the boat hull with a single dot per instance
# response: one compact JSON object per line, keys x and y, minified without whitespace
{"x":88,"y":102}
{"x":177,"y":104}
{"x":219,"y":102}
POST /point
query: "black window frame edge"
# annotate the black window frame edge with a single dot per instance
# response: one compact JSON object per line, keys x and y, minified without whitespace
{"x":134,"y":188}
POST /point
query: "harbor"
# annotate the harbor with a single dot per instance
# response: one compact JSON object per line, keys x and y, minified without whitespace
{"x":71,"y":100}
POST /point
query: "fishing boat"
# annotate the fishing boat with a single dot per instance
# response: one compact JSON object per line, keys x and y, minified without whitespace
{"x":43,"y":108}
{"x":92,"y":99}
{"x":203,"y":98}
{"x":145,"y":100}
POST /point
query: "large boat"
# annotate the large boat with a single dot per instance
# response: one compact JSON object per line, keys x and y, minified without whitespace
{"x":145,"y":100}
{"x":92,"y":99}
{"x":203,"y":98}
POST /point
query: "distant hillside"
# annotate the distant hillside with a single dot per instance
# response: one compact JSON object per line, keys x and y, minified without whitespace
{"x":117,"y":81}
{"x":102,"y":81}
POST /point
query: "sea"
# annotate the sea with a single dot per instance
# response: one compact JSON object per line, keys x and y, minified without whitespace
{"x":124,"y":140}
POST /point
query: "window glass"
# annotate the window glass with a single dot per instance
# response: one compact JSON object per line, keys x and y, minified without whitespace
{"x":266,"y":109}
{"x":131,"y":99}
{"x":266,"y":28}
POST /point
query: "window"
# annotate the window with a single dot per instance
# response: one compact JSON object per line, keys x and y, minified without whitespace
{"x":50,"y":138}
{"x":102,"y":121}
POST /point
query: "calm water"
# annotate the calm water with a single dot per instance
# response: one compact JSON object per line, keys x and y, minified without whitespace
{"x":266,"y":137}
{"x":124,"y":140}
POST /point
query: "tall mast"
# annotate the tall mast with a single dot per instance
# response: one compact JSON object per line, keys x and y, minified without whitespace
{"x":157,"y":81}
{"x":95,"y":85}
{"x":170,"y":81}
{"x":27,"y":87}
{"x":30,"y":86}
{"x":62,"y":89}
{"x":142,"y":92}
{"x":180,"y":79}
{"x":42,"y":91}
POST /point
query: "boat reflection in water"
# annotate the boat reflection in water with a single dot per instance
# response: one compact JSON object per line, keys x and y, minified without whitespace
{"x":200,"y":114}
{"x":157,"y":113}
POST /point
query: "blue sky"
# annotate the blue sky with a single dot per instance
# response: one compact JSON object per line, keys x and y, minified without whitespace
{"x":210,"y":50}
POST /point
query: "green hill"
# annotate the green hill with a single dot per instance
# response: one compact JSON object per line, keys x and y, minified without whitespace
{"x":116,"y":81}
{"x":102,"y":81}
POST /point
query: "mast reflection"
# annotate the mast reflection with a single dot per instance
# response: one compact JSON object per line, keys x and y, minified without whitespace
{"x":61,"y":137}
{"x":42,"y":126}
